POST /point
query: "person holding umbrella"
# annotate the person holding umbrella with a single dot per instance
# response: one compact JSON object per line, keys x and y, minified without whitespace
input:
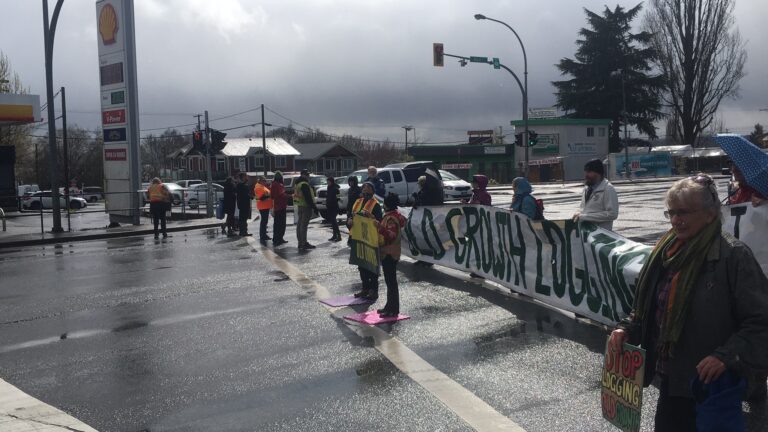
{"x":750,"y":168}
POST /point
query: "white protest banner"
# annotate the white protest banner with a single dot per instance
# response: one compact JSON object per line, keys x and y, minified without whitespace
{"x":750,"y":225}
{"x":573,"y":266}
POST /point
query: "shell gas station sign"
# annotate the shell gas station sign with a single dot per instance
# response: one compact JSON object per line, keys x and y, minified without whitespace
{"x":19,"y":109}
{"x":119,"y":108}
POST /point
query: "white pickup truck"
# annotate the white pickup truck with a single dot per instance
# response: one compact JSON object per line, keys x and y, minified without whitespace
{"x":400,"y":178}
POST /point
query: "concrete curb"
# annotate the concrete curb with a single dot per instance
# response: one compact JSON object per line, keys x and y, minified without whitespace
{"x":82,"y":236}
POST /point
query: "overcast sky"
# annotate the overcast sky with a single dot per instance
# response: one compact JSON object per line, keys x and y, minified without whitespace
{"x":345,"y":66}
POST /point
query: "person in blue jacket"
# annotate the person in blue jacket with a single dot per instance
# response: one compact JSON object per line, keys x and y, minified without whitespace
{"x":523,"y":202}
{"x":378,"y":184}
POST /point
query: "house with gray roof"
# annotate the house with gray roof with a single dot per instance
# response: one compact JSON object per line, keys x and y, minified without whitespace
{"x":326,"y":158}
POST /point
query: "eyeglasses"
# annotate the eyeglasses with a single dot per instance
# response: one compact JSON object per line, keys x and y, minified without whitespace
{"x":669,"y":214}
{"x":708,"y":182}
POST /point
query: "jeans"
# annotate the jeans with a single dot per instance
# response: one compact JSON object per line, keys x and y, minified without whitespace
{"x":389,"y":267}
{"x":370,"y":281}
{"x":278,"y":226}
{"x":158,"y":215}
{"x":674,"y":414}
{"x":263,"y":223}
{"x":302,"y":224}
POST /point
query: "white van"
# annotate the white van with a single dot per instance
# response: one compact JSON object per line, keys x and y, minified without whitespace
{"x":27,"y":189}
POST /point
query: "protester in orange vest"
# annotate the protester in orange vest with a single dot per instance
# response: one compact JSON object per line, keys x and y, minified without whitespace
{"x":389,"y":248}
{"x":159,"y":203}
{"x":367,"y":206}
{"x":264,"y":205}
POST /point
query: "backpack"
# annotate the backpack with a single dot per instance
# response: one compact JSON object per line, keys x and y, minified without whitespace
{"x":539,"y":209}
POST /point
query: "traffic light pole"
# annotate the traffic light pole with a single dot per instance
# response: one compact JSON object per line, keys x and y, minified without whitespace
{"x":209,"y":192}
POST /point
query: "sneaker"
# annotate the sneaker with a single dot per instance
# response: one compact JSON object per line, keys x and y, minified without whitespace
{"x":157,"y":236}
{"x":389,"y":314}
{"x":361,"y":294}
{"x":310,"y":246}
{"x":165,"y":236}
{"x":372,"y":296}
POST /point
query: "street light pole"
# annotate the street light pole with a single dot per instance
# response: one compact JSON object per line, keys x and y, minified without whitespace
{"x":49,"y":32}
{"x":525,"y":86}
{"x":620,"y":73}
{"x":263,"y":142}
{"x":408,"y":128}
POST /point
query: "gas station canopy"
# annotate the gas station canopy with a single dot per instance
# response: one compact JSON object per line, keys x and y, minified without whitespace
{"x":19,"y":109}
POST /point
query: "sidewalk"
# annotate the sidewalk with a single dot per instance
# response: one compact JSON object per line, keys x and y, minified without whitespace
{"x":27,"y":239}
{"x":20,"y":412}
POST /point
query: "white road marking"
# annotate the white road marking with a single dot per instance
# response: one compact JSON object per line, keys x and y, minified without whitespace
{"x":465,"y":404}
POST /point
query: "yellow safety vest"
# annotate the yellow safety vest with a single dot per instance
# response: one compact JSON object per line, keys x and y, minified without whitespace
{"x":298,"y":197}
{"x":358,"y":208}
{"x":157,"y":193}
{"x":394,"y":248}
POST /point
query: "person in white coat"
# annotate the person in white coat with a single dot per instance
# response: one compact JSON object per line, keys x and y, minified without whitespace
{"x":599,"y":202}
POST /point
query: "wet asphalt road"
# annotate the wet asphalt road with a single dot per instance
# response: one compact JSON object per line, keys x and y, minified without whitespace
{"x":202,"y":333}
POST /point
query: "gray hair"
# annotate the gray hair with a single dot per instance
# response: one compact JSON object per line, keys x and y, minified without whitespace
{"x":700,"y":189}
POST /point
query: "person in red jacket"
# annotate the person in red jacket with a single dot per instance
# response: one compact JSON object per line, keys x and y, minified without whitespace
{"x":280,"y":206}
{"x":479,"y":193}
{"x":390,"y":227}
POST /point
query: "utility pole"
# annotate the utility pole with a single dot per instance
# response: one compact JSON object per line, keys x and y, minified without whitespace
{"x":263,"y":141}
{"x":49,"y":32}
{"x":209,"y":193}
{"x":65,"y":145}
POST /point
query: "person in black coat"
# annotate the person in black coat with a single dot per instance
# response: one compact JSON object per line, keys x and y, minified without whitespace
{"x":230,"y":202}
{"x":352,"y":194}
{"x":332,"y":208}
{"x":244,"y":197}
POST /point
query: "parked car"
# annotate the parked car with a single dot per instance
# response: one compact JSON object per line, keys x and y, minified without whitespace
{"x":44,"y":199}
{"x":198,"y":194}
{"x":188,"y":183}
{"x":92,"y":193}
{"x":322,"y":195}
{"x":177,"y":192}
{"x":454,"y":188}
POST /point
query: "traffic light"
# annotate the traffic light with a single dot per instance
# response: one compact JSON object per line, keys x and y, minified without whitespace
{"x":217,"y":140}
{"x":533,"y":138}
{"x":519,"y":139}
{"x":197,"y":140}
{"x":437,"y":54}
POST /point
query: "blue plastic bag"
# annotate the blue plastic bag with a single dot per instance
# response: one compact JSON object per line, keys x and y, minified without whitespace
{"x":718,"y":404}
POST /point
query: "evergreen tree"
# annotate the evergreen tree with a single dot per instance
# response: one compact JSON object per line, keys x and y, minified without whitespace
{"x":607,"y":54}
{"x":757,"y":136}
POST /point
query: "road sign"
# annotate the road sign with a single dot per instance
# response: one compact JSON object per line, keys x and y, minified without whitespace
{"x":496,"y":63}
{"x":478,"y":59}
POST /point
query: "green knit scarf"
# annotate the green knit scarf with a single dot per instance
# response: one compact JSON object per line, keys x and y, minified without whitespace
{"x":683,"y":266}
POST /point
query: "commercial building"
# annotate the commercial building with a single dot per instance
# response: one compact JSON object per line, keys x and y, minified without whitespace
{"x":564,"y":146}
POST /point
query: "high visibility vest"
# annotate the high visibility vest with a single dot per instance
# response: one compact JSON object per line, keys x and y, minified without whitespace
{"x":298,"y":197}
{"x":259,"y":191}
{"x":358,"y":207}
{"x":393,"y":249}
{"x":157,"y":193}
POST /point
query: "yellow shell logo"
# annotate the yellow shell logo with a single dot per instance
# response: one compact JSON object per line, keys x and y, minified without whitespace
{"x":108,"y":24}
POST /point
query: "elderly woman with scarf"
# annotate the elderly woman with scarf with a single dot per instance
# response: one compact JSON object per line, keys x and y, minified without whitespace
{"x":701,"y":305}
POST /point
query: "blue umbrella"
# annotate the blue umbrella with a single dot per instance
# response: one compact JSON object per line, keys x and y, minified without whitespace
{"x":750,"y":159}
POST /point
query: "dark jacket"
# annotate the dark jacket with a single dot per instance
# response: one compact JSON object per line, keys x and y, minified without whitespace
{"x":378,"y":186}
{"x":727,"y":318}
{"x":229,"y":197}
{"x":332,"y":198}
{"x":429,"y":195}
{"x":352,"y":195}
{"x":480,"y":195}
{"x":244,"y":198}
